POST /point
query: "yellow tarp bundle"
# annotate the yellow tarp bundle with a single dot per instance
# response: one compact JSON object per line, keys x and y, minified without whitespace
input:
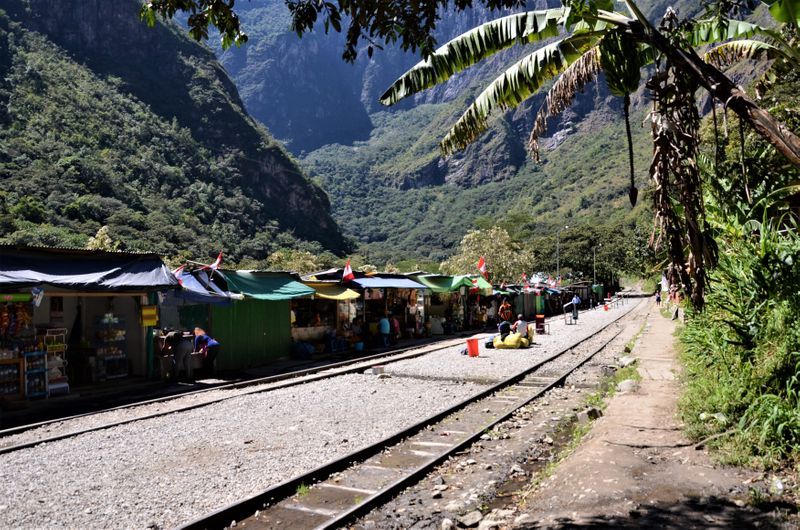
{"x":513,"y":341}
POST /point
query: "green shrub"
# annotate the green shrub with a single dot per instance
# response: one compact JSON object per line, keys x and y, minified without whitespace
{"x":742,"y":354}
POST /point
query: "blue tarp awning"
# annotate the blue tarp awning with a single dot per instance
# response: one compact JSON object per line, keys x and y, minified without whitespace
{"x":83,"y":270}
{"x":198,"y":288}
{"x":387,"y":283}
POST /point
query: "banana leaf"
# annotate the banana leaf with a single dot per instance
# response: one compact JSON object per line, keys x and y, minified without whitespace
{"x":473,"y":46}
{"x":728,"y":53}
{"x":786,"y":11}
{"x":515,"y":85}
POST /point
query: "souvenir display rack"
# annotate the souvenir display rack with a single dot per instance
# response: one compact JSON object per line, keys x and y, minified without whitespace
{"x":55,"y":343}
{"x":11,"y":383}
{"x":112,"y":359}
{"x":35,"y":374}
{"x":17,"y":335}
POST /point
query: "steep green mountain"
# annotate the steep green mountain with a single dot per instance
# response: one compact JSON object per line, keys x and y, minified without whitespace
{"x":104,"y":121}
{"x":389,"y":186}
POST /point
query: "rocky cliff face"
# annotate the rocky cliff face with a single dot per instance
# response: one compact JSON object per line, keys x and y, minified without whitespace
{"x":308,"y":97}
{"x":181,"y":80}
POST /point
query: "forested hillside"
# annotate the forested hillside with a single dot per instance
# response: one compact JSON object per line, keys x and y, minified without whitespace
{"x":390,"y":188}
{"x":105,"y":121}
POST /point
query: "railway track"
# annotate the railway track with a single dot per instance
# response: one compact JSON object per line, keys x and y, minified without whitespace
{"x":266,"y":384}
{"x":340,"y":491}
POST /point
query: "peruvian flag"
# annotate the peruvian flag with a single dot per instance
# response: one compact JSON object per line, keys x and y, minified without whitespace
{"x":214,"y":266}
{"x":482,"y":267}
{"x":177,"y":273}
{"x":347,"y":273}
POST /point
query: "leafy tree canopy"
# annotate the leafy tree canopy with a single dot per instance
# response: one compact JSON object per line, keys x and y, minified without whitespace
{"x":381,"y":22}
{"x":506,"y":259}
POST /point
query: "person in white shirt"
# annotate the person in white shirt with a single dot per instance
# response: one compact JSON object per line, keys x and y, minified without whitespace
{"x":521,"y":326}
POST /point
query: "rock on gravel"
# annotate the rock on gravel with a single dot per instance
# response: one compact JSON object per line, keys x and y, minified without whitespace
{"x":470,"y":519}
{"x":627,"y":360}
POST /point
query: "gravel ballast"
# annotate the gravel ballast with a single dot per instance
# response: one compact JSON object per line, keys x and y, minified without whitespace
{"x":496,"y":365}
{"x":165,"y":471}
{"x":104,"y":418}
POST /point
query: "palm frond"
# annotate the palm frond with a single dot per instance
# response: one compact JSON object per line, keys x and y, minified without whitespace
{"x":561,"y":95}
{"x":728,"y":53}
{"x":473,"y":46}
{"x":515,"y":85}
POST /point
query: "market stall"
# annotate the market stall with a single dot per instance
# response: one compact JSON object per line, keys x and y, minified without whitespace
{"x":257,"y":329}
{"x":390,"y":294}
{"x":77,"y":315}
{"x":326,"y":319}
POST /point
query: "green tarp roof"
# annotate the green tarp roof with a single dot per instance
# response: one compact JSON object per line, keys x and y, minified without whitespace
{"x":481,"y":283}
{"x":266,"y":286}
{"x":444,"y":284}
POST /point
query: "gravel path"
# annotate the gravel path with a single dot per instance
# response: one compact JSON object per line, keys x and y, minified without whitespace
{"x":496,"y":365}
{"x":165,"y":471}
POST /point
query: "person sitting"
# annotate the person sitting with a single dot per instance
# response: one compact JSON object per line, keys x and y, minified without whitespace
{"x":207,"y":347}
{"x":520,"y":326}
{"x":504,"y":328}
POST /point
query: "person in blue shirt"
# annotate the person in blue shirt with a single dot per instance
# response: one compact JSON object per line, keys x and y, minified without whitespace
{"x":208,"y":347}
{"x":385,"y":329}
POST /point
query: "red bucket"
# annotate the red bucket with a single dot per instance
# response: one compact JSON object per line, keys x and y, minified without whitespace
{"x":473,"y":347}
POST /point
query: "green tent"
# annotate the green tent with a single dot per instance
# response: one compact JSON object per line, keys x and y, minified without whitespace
{"x":439,"y":283}
{"x":266,"y":285}
{"x":481,"y":282}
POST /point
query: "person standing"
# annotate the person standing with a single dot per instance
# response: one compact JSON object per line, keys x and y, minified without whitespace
{"x":658,"y":298}
{"x":576,"y":301}
{"x":505,"y":312}
{"x":490,"y":311}
{"x":385,"y":329}
{"x":207,"y":347}
{"x":395,"y":328}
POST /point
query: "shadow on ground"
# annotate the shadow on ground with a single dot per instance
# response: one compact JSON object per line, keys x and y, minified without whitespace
{"x":691,"y":513}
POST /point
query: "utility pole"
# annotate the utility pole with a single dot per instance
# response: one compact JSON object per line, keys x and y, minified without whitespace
{"x":594,"y":263}
{"x":558,"y":252}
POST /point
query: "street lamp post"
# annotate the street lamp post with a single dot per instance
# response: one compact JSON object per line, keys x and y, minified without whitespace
{"x":558,"y":252}
{"x":594,"y":262}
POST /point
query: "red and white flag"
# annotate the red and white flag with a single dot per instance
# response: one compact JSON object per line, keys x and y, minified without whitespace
{"x":177,"y":273}
{"x":347,"y":273}
{"x":482,"y":266}
{"x":214,"y":266}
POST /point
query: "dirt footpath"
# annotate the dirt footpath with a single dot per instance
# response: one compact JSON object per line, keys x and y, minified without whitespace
{"x":635,"y":469}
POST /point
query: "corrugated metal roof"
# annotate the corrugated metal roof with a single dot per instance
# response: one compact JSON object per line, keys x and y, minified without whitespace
{"x":78,"y":250}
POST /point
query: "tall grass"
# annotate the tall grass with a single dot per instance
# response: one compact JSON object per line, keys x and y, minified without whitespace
{"x":742,"y":354}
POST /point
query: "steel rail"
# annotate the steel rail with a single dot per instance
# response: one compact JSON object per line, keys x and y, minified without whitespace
{"x":288,"y":379}
{"x":388,"y":492}
{"x":245,"y":508}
